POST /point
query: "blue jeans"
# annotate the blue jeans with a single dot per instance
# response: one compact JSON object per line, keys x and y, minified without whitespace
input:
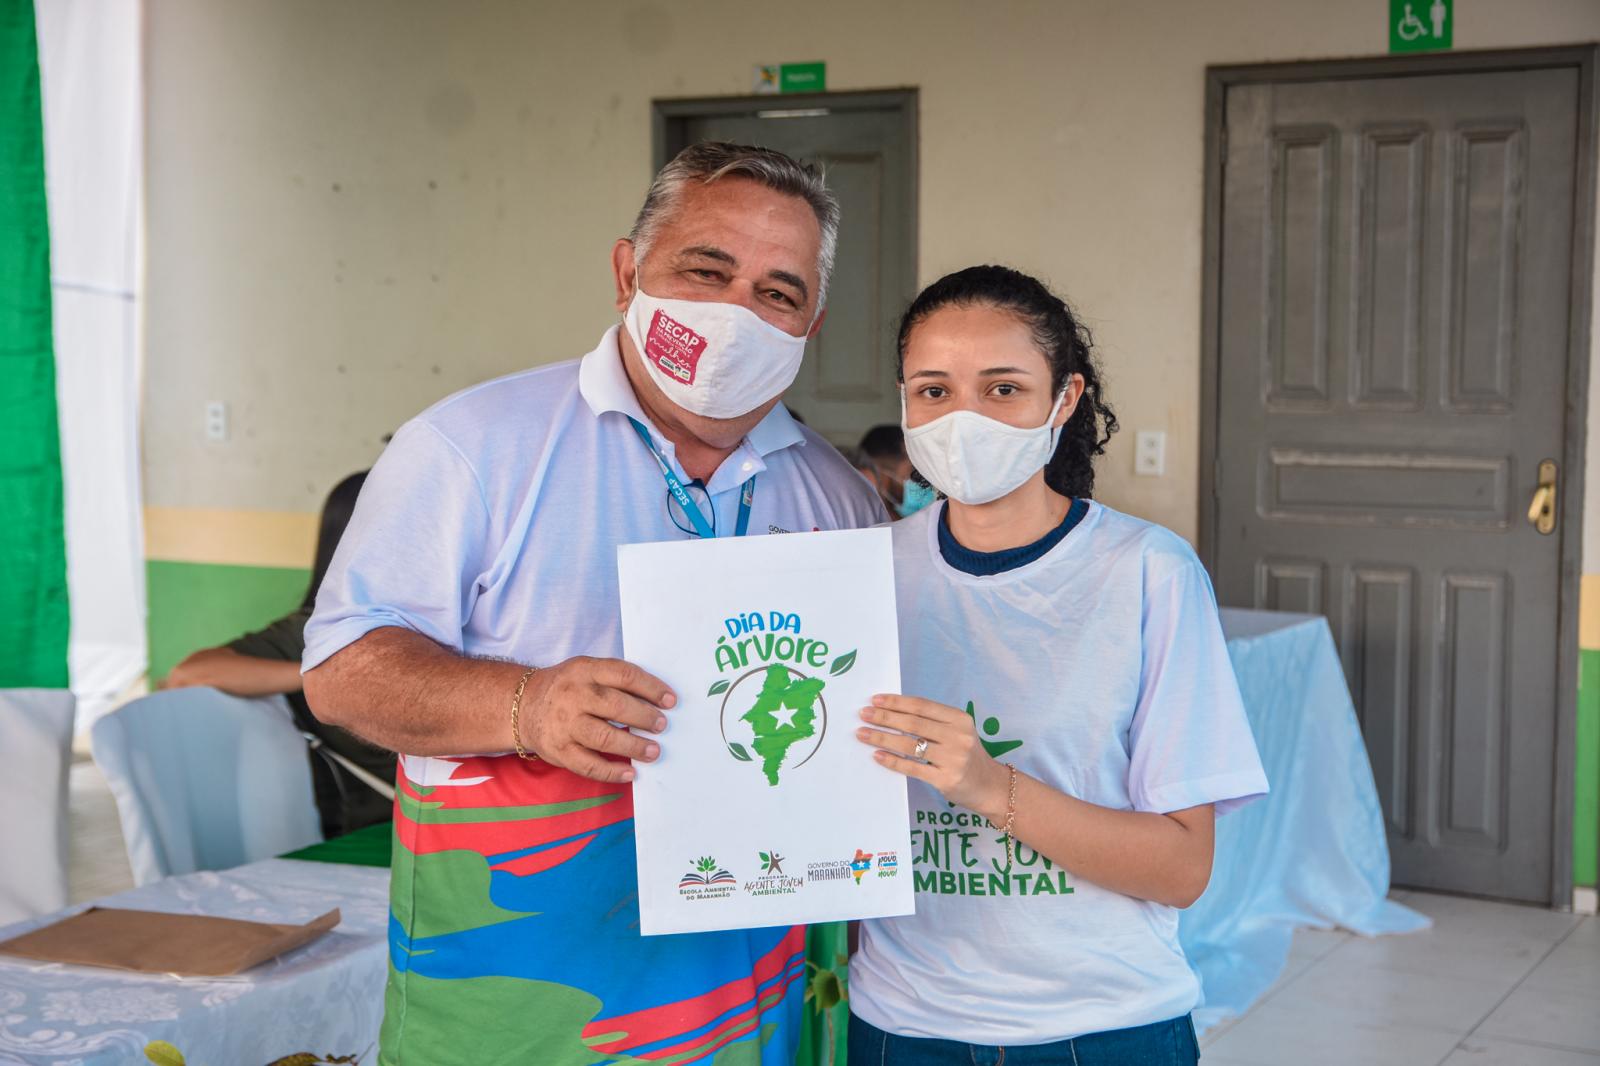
{"x":1170,"y":1043}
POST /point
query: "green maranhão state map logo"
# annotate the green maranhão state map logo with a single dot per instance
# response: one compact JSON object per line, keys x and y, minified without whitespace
{"x":773,"y":713}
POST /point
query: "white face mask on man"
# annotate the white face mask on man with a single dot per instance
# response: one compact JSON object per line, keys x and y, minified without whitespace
{"x":975,"y":459}
{"x":716,"y":360}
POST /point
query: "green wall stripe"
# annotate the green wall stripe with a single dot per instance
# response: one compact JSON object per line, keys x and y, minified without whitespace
{"x":34,"y":618}
{"x":201,"y":605}
{"x":1586,"y":798}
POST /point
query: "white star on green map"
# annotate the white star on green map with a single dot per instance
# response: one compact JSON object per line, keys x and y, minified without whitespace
{"x":784,"y":716}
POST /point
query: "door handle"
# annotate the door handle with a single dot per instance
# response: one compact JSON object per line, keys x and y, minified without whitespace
{"x":1542,"y":508}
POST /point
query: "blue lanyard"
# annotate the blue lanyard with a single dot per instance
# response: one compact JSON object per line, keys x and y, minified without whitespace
{"x":747,"y":495}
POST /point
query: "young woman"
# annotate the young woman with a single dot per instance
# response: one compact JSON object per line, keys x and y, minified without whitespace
{"x":1072,"y":723}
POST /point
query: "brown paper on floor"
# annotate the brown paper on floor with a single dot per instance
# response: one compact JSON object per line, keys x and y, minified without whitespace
{"x":190,"y":945}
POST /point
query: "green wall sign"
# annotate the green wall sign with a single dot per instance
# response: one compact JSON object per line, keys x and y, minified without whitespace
{"x":791,"y":78}
{"x":803,"y":78}
{"x":1421,"y":25}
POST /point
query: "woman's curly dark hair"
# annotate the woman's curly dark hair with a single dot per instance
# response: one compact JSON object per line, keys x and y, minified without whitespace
{"x":1062,"y":340}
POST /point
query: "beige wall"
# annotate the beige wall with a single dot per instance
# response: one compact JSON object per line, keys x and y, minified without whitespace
{"x":356,"y":208}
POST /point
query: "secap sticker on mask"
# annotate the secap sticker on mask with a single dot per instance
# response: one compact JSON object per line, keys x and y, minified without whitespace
{"x":673,"y":347}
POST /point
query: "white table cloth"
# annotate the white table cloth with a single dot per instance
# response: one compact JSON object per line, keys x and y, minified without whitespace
{"x":1314,"y":852}
{"x":325,"y":998}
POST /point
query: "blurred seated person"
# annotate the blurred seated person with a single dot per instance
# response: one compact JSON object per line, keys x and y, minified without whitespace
{"x":267,"y":663}
{"x":903,"y":493}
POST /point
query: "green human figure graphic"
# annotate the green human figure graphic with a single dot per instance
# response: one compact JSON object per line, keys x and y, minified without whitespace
{"x":990,"y":727}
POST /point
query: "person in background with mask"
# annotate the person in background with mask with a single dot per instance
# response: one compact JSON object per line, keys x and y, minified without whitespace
{"x":1071,"y":725}
{"x":472,"y":607}
{"x":902,"y":492}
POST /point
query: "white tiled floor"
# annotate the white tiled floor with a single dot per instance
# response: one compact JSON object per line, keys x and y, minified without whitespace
{"x":1491,"y":984}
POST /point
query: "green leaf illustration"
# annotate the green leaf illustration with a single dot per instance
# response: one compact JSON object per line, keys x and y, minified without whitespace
{"x":827,"y":992}
{"x":719,"y":688}
{"x":764,"y":857}
{"x":738,"y":752}
{"x":163,"y":1054}
{"x":842,"y":664}
{"x":706,"y":864}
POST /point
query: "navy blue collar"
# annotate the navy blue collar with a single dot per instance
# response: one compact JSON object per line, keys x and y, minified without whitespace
{"x":985,"y":564}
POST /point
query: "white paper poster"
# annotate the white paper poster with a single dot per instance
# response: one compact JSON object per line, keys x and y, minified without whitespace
{"x":764,"y":809}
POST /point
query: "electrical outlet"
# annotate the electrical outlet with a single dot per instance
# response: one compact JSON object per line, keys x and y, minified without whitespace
{"x":216,"y":420}
{"x":1150,"y":453}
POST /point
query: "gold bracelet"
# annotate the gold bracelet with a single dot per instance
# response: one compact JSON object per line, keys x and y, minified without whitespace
{"x":516,"y":709}
{"x":1011,"y":816}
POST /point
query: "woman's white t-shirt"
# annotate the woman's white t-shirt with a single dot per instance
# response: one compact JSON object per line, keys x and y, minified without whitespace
{"x":1100,"y":669}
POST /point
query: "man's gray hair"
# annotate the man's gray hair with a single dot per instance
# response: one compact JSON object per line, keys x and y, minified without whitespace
{"x":709,"y":161}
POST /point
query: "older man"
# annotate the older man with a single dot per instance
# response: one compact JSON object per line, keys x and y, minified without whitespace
{"x":473,"y":607}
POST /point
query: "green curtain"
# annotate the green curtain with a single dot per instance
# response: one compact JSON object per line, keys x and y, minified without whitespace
{"x":33,"y":553}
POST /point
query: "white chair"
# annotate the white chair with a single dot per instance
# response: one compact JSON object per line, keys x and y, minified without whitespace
{"x":35,"y":754}
{"x":206,"y":781}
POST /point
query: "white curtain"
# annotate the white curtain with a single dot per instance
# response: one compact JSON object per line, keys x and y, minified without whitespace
{"x":89,"y":67}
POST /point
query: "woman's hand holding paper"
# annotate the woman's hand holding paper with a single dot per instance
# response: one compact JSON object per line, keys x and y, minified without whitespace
{"x":953,"y":759}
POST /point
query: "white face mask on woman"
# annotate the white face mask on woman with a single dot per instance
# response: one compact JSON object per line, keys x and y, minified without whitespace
{"x":975,"y":459}
{"x":717,"y":360}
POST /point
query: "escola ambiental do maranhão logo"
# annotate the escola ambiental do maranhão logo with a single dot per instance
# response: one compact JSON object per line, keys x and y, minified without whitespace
{"x":706,"y":879}
{"x":773,"y":713}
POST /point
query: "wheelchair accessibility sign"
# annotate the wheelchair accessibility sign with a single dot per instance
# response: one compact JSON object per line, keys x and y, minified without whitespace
{"x":1421,"y":25}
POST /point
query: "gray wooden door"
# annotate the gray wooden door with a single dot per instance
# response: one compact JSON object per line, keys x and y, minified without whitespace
{"x":846,"y":384}
{"x":1396,"y":257}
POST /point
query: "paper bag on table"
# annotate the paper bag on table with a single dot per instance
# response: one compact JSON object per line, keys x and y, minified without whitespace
{"x":189,"y":945}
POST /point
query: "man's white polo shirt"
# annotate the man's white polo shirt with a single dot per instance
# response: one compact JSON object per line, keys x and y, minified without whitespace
{"x":491,"y":522}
